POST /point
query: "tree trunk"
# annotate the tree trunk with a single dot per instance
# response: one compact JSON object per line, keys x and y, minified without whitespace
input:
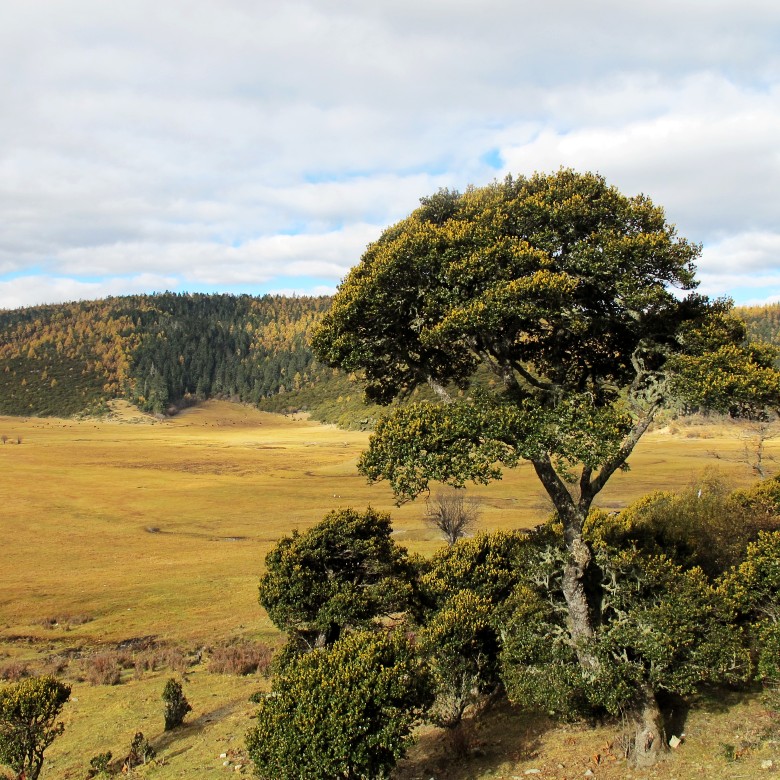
{"x":649,"y":738}
{"x":328,"y":636}
{"x":580,"y":621}
{"x":579,"y":613}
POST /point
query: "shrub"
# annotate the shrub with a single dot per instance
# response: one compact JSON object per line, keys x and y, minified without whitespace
{"x":345,"y":572}
{"x":706,"y":525}
{"x":176,"y":704}
{"x":141,"y":752}
{"x":460,"y":645}
{"x":486,"y":564}
{"x":28,"y":713}
{"x":240,"y":658}
{"x":343,"y":711}
{"x":753,"y":588}
{"x":104,"y":669}
{"x":14,"y":671}
{"x":100,"y":764}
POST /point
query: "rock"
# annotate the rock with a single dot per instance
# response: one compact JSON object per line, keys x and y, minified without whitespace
{"x":588,"y":773}
{"x":532,"y":772}
{"x":223,"y":755}
{"x":768,"y":764}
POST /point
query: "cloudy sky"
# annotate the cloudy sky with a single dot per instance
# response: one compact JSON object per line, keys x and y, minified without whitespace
{"x":258,"y":146}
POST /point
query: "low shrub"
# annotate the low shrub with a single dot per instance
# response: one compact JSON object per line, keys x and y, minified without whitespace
{"x":241,"y":658}
{"x":176,"y":704}
{"x":103,"y":669}
{"x":14,"y":671}
{"x":141,"y":752}
{"x":100,"y":765}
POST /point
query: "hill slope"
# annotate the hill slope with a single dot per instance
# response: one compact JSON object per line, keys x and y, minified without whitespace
{"x":159,"y":351}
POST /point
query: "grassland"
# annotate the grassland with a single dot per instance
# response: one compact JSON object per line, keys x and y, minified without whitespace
{"x":133,"y":527}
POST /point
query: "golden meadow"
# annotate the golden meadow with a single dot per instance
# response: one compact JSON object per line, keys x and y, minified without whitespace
{"x":130,"y":527}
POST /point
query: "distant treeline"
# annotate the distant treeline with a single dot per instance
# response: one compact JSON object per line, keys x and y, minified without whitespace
{"x":763,"y":322}
{"x":157,"y":351}
{"x":160,"y":351}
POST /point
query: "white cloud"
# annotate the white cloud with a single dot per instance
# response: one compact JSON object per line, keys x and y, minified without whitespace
{"x":36,"y":289}
{"x":244,"y":142}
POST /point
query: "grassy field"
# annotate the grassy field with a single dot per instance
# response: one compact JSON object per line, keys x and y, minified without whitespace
{"x":133,"y":527}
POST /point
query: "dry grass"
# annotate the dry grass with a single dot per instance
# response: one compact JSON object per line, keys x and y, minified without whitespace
{"x":508,"y":744}
{"x":133,"y":530}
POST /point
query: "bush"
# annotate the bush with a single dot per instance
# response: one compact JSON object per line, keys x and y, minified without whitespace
{"x":141,"y":752}
{"x":344,"y":711}
{"x":28,"y":711}
{"x":240,"y":658}
{"x":706,"y":525}
{"x":176,"y":704}
{"x":345,"y":572}
{"x":486,"y":564}
{"x":104,"y":669}
{"x":100,"y":764}
{"x":14,"y":671}
{"x":460,"y":645}
{"x":753,"y":588}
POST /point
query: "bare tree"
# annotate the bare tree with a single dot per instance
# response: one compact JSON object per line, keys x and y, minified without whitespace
{"x":755,"y":435}
{"x":453,"y":512}
{"x":758,"y":433}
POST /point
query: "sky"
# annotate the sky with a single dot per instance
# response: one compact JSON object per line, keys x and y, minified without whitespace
{"x":250,"y":146}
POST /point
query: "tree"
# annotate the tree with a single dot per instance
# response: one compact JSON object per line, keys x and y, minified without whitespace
{"x":453,"y":513}
{"x":754,"y":589}
{"x":660,"y":629}
{"x":28,"y":714}
{"x":550,"y":300}
{"x":343,"y":711}
{"x":344,"y":572}
{"x":460,"y":644}
{"x":176,"y":704}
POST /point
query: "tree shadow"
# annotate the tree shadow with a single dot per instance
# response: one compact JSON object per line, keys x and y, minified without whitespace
{"x":168,"y":739}
{"x":674,"y":709}
{"x":501,"y":734}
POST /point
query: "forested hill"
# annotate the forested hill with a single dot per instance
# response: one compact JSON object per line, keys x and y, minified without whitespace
{"x":159,"y":350}
{"x":156,"y":350}
{"x":763,"y":322}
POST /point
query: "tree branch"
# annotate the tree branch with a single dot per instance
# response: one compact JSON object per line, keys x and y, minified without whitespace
{"x":438,"y":389}
{"x":609,"y":468}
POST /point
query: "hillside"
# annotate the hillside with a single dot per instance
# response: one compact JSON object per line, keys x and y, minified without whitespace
{"x":163,"y":351}
{"x":160,"y":351}
{"x":763,"y":322}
